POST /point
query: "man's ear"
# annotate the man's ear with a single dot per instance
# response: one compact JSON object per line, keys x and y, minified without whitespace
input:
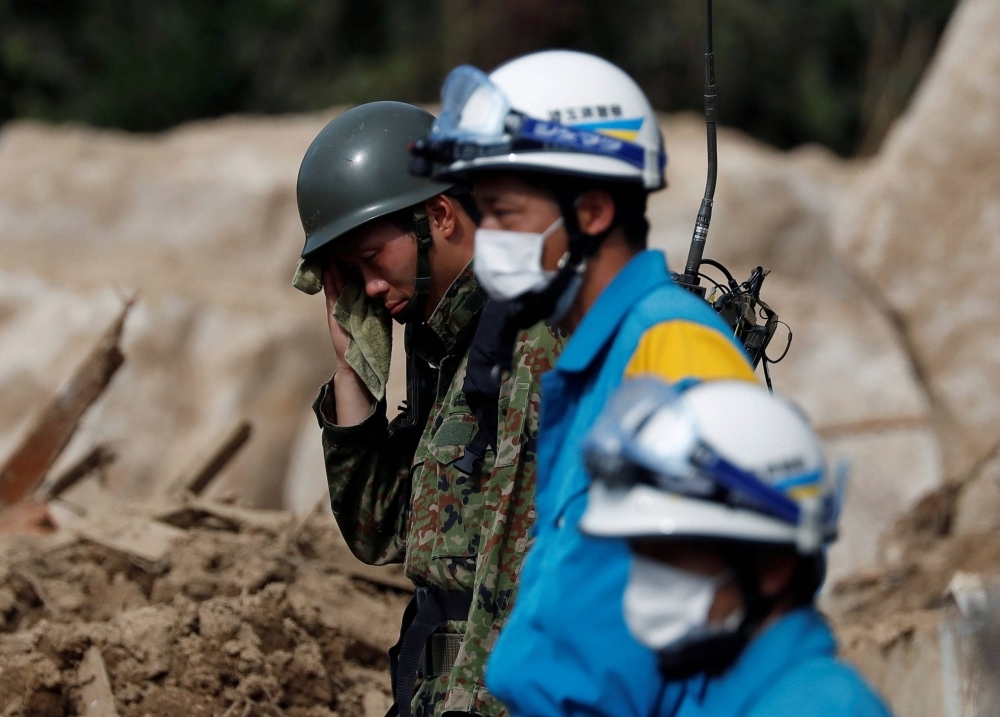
{"x":441,"y":215}
{"x":776,"y":573}
{"x":595,"y":211}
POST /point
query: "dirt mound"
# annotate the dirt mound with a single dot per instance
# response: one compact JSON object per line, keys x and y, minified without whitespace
{"x":941,"y":536}
{"x":902,"y":624}
{"x":243,"y":617}
{"x":919,"y":580}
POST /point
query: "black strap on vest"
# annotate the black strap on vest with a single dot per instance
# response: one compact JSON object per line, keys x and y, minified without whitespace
{"x":488,"y":355}
{"x":421,"y":385}
{"x":428,"y":611}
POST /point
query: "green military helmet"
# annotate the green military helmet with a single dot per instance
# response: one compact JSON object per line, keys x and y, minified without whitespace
{"x":357,"y":169}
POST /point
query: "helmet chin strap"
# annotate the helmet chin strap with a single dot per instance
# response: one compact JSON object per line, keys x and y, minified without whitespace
{"x":714,"y":651}
{"x":415,"y":309}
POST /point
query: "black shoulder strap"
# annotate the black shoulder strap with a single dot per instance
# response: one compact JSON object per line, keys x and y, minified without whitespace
{"x":421,"y":384}
{"x":489,"y":354}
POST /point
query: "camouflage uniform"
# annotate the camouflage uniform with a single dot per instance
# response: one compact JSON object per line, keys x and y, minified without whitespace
{"x":451,"y":531}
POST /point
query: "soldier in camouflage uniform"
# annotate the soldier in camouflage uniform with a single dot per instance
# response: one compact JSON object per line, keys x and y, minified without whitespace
{"x":425,"y":489}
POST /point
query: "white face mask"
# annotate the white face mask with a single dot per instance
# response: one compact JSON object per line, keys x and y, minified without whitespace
{"x":664,"y":604}
{"x":509,"y":264}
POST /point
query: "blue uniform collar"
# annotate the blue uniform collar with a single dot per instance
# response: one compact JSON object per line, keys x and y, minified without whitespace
{"x":798,"y":636}
{"x":646,"y":271}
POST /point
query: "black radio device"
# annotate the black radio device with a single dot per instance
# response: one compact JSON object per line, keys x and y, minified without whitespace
{"x":752,"y":321}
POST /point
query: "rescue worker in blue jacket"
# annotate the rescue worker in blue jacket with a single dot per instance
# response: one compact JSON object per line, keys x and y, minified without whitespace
{"x":723,"y":492}
{"x":562,"y":149}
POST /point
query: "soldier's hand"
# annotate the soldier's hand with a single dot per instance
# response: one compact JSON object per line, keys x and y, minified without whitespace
{"x":353,"y":401}
{"x":333,"y":285}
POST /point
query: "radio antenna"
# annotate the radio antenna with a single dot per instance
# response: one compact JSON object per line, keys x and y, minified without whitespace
{"x":690,"y":278}
{"x":739,"y":305}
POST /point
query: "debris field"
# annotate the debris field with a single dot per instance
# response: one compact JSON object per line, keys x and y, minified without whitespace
{"x":243,"y":613}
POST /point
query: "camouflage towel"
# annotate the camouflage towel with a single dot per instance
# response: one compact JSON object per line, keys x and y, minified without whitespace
{"x":450,"y":530}
{"x":370,"y":328}
{"x":308,"y":276}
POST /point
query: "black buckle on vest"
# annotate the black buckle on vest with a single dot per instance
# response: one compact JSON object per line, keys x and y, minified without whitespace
{"x":428,"y":611}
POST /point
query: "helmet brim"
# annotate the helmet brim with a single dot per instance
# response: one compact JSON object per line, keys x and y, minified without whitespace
{"x":324,"y":236}
{"x":643,"y":511}
{"x":566,"y":164}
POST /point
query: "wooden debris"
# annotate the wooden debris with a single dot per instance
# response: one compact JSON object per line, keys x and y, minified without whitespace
{"x":27,"y":518}
{"x":268,"y":521}
{"x":970,"y":642}
{"x":55,"y":426}
{"x":96,"y":697}
{"x":204,"y":471}
{"x":83,"y":501}
{"x":135,"y":535}
{"x":98,"y":457}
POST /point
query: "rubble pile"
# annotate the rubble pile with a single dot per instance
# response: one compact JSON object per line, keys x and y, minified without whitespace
{"x":894,"y":621}
{"x":178,"y":604}
{"x":243,"y":613}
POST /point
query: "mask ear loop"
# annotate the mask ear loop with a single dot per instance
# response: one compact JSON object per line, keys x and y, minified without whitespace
{"x":554,"y":227}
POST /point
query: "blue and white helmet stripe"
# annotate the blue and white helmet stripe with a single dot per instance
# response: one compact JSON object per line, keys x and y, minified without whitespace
{"x":729,"y":460}
{"x":567,"y":106}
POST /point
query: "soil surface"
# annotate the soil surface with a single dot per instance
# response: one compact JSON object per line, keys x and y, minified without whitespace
{"x":237,"y":620}
{"x":908,"y":593}
{"x":921,"y":556}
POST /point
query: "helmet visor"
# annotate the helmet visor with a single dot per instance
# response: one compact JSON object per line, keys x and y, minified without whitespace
{"x":649,"y":435}
{"x":478,"y":120}
{"x":473,"y":109}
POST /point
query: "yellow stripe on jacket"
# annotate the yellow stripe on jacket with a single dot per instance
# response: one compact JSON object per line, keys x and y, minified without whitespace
{"x":676,"y":350}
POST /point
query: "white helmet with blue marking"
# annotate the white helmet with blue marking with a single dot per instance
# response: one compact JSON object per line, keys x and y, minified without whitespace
{"x":556,"y":111}
{"x":720,"y":461}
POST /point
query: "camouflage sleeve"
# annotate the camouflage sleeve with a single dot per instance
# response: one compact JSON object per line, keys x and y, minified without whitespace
{"x":508,"y":517}
{"x":369,"y":482}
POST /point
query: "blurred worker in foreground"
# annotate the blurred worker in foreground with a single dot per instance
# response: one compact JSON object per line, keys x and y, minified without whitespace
{"x":723,"y":493}
{"x":562,"y":149}
{"x":447,"y":488}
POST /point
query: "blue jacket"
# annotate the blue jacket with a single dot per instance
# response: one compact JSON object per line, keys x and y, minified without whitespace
{"x":788,"y":671}
{"x":565,"y":649}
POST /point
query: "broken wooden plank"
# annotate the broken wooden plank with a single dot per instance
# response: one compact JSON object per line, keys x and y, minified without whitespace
{"x":96,"y":458}
{"x":96,"y":697}
{"x":269,"y":521}
{"x":82,"y":502}
{"x":198,"y":477}
{"x":970,"y":645}
{"x":137,"y":535}
{"x":27,"y":518}
{"x":25,"y":469}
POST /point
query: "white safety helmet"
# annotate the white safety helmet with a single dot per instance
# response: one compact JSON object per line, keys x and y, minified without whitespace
{"x":720,"y":461}
{"x":557,"y":111}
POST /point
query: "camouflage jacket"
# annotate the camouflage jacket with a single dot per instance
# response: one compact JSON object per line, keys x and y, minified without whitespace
{"x":450,"y":530}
